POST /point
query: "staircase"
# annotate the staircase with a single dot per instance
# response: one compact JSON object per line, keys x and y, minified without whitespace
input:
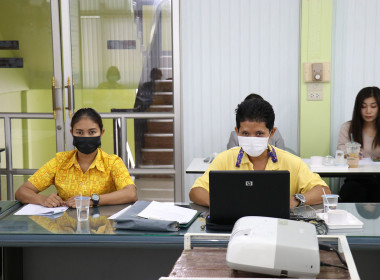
{"x":154,"y":145}
{"x":158,"y":147}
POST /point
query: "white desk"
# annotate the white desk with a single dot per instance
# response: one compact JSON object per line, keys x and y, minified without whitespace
{"x":197,"y":166}
{"x":366,"y":167}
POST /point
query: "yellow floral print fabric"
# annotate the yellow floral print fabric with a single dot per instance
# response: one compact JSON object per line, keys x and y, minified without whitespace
{"x":106,"y":174}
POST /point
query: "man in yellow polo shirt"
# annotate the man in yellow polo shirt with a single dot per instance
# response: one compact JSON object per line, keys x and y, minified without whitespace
{"x":255,"y":127}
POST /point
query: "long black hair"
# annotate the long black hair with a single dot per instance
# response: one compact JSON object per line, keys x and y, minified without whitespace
{"x":87,"y":113}
{"x":357,"y":121}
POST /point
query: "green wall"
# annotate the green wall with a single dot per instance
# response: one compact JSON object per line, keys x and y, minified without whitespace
{"x":316,"y":28}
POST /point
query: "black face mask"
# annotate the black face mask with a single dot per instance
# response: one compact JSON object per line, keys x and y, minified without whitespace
{"x":86,"y":145}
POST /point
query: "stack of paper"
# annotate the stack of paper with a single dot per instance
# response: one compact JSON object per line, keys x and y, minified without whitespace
{"x":154,"y":216}
{"x":168,"y":212}
{"x":39,"y":210}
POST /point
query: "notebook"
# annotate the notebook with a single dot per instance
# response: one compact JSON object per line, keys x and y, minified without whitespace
{"x":235,"y":194}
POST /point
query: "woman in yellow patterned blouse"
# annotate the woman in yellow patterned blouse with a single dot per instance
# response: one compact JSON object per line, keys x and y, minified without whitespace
{"x":87,"y":170}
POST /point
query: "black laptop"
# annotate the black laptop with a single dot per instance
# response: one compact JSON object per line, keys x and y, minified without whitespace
{"x":235,"y":194}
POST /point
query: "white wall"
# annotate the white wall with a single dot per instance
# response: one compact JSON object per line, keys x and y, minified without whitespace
{"x":230,"y":49}
{"x":355,"y":57}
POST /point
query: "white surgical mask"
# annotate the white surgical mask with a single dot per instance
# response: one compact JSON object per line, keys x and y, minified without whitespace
{"x":253,"y":146}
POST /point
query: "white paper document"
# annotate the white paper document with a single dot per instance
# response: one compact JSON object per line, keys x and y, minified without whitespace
{"x":168,"y":212}
{"x":39,"y":210}
{"x":116,"y":215}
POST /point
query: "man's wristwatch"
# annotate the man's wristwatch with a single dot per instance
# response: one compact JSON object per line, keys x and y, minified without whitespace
{"x":300,"y":198}
{"x":95,"y":199}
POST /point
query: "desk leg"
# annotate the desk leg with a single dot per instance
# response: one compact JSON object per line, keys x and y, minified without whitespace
{"x":367,"y":261}
{"x":12,"y":263}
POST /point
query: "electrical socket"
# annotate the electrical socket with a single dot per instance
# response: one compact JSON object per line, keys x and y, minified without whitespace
{"x":314,"y":91}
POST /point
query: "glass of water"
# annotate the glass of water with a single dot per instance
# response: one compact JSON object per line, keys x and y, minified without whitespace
{"x":330,"y":202}
{"x":82,"y":203}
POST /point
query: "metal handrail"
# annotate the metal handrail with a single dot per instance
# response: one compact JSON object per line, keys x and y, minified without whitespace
{"x":122,"y":116}
{"x":9,"y":171}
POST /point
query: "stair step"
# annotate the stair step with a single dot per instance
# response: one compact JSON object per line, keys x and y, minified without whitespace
{"x":160,"y":108}
{"x":159,"y":188}
{"x":166,"y":60}
{"x":157,"y":156}
{"x":169,"y":166}
{"x":160,"y":126}
{"x":163,"y":85}
{"x":153,"y":150}
{"x":162,"y":98}
{"x":158,"y":140}
{"x":163,"y":93}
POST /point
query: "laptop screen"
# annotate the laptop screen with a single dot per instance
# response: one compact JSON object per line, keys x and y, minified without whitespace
{"x":235,"y":194}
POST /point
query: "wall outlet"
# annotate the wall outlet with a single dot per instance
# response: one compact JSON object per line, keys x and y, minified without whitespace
{"x":314,"y":91}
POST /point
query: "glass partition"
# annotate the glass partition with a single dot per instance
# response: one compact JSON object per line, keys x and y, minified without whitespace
{"x":26,"y":56}
{"x":121,"y":60}
{"x":2,"y":144}
{"x":120,"y":56}
{"x":33,"y":142}
{"x":3,"y":185}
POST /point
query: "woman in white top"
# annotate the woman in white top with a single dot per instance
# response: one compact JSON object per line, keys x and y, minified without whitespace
{"x":365,"y":129}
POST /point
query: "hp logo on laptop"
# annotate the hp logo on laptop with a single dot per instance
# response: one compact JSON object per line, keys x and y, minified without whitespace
{"x":248,"y":183}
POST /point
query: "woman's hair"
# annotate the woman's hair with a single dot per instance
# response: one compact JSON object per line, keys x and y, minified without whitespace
{"x":257,"y":110}
{"x":357,"y":122}
{"x":87,"y":113}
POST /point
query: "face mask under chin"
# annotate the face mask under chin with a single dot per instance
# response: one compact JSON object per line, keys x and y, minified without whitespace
{"x":86,"y":145}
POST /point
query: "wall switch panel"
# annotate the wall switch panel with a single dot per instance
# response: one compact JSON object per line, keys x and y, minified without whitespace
{"x":314,"y":91}
{"x":309,"y":74}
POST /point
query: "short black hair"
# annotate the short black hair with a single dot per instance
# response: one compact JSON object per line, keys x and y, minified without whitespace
{"x":256,"y":110}
{"x":253,"y":96}
{"x":155,"y":74}
{"x":87,"y":113}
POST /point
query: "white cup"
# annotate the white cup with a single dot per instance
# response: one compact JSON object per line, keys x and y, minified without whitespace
{"x":339,"y":157}
{"x":337,"y":217}
{"x":316,"y":161}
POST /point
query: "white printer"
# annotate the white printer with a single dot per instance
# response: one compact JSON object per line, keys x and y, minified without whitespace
{"x":274,"y":246}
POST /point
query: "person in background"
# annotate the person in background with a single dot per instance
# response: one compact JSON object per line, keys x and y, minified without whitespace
{"x":276,"y":140}
{"x":255,"y":128}
{"x":87,"y":170}
{"x":144,"y":97}
{"x":113,"y":75}
{"x":365,"y":129}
